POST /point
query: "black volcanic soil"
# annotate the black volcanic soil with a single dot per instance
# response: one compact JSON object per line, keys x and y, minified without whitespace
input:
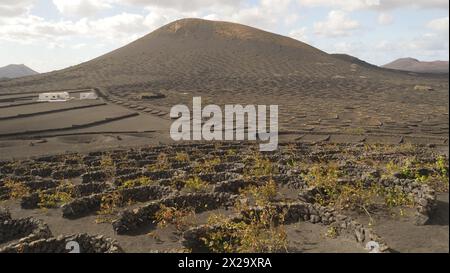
{"x":414,"y":65}
{"x":398,"y":231}
{"x":322,"y":98}
{"x":228,"y":63}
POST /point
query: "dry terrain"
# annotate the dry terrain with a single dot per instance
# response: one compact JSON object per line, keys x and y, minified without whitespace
{"x":363,"y":156}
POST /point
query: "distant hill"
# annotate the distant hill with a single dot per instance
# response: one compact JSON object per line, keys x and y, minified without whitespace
{"x":16,"y":71}
{"x":354,"y":60}
{"x":414,"y":65}
{"x":199,"y":56}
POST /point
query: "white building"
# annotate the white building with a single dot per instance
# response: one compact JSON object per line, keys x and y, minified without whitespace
{"x":54,"y":96}
{"x":88,"y":96}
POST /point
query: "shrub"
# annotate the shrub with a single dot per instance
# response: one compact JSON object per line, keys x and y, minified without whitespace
{"x":142,"y":181}
{"x":182,"y":157}
{"x":195,"y":184}
{"x":109,"y":205}
{"x":16,"y":189}
{"x":206,"y":165}
{"x":263,"y":195}
{"x":162,"y":163}
{"x":259,"y":233}
{"x":259,"y":166}
{"x":180,"y":218}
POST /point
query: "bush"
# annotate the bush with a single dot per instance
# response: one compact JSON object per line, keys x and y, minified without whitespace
{"x":259,"y":233}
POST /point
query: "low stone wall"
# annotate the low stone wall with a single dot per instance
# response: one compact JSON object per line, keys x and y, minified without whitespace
{"x":96,"y":176}
{"x":145,"y":193}
{"x":32,"y":185}
{"x":82,"y":206}
{"x":125,"y":171}
{"x":89,"y":204}
{"x":41,"y":184}
{"x":42,"y":172}
{"x":214,"y":178}
{"x":229,"y":167}
{"x":68,"y":173}
{"x":423,"y":195}
{"x":130,"y":220}
{"x":4,"y":214}
{"x":293,"y":212}
{"x":318,"y":214}
{"x":233,"y":186}
{"x":157,"y":175}
{"x":61,"y":244}
{"x":119,"y":180}
{"x":25,"y":229}
{"x":32,"y":201}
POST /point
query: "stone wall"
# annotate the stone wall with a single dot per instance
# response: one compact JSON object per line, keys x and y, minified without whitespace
{"x":25,"y":229}
{"x":293,"y":212}
{"x":60,"y":244}
{"x":89,"y":204}
{"x":130,"y":220}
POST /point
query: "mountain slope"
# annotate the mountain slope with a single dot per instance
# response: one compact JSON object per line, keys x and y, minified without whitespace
{"x":201,"y":55}
{"x":16,"y":71}
{"x":199,"y":52}
{"x":414,"y":65}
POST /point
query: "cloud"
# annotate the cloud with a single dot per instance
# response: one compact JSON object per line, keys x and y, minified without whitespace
{"x":419,"y":4}
{"x":82,"y":8}
{"x":123,"y":24}
{"x":337,"y":24}
{"x":385,"y":19}
{"x":12,"y":8}
{"x":348,"y":5}
{"x":351,"y":5}
{"x":271,"y":15}
{"x":184,"y":5}
{"x":431,"y":45}
{"x":29,"y":29}
{"x":348,"y":47}
{"x":299,"y":34}
{"x":439,"y":25}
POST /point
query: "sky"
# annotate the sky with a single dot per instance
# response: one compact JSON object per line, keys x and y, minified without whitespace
{"x":48,"y":35}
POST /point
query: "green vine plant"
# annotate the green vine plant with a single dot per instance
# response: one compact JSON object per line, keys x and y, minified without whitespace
{"x":180,"y":218}
{"x":259,"y":233}
{"x":16,"y":189}
{"x":63,"y":194}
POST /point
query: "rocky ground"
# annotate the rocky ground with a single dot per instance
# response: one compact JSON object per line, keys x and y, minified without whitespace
{"x":228,"y":197}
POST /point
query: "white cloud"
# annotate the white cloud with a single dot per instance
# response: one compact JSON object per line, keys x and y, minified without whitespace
{"x":184,"y":5}
{"x":351,"y":5}
{"x":255,"y":16}
{"x":299,"y":34}
{"x":385,"y":19}
{"x":123,"y":24}
{"x":337,"y":24}
{"x":158,"y":17}
{"x":341,"y":4}
{"x":439,"y":25}
{"x":33,"y":29}
{"x":30,"y":28}
{"x":270,"y":15}
{"x":12,"y":8}
{"x":419,"y":4}
{"x":428,"y":46}
{"x":82,"y":8}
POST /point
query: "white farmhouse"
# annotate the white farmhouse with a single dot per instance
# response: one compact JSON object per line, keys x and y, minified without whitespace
{"x":54,"y":96}
{"x":88,"y":96}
